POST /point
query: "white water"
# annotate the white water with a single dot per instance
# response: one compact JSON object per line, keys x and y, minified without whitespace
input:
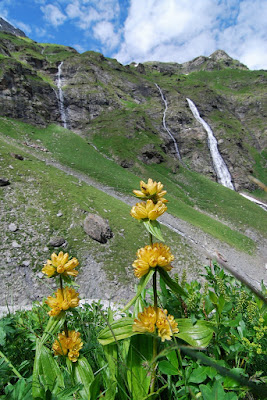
{"x":165,"y":126}
{"x":221,"y":170}
{"x":258,"y":202}
{"x":61,"y":98}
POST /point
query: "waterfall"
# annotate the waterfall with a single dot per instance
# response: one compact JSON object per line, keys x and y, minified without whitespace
{"x":221,"y":170}
{"x":164,"y":123}
{"x":61,"y":98}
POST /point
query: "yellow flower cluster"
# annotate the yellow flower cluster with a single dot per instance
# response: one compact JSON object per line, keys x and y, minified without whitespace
{"x":148,"y":210}
{"x":154,"y":206}
{"x":60,"y":264}
{"x":65,"y":299}
{"x":151,"y":256}
{"x":68,"y":345}
{"x":151,"y":190}
{"x":150,"y":319}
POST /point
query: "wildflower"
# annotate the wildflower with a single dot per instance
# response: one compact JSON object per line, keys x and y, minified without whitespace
{"x":151,"y":256}
{"x":68,"y":345}
{"x":60,"y":264}
{"x":149,"y":320}
{"x":166,"y":325}
{"x":146,"y":321}
{"x":148,"y":210}
{"x":151,"y":190}
{"x":65,"y":299}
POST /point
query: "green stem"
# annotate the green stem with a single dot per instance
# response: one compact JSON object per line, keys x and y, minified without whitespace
{"x":62,"y":291}
{"x":155,"y":342}
{"x":10,"y":365}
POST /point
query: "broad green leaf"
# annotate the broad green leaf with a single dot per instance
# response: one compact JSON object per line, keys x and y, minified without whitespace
{"x":197,"y":335}
{"x":229,"y":383}
{"x":153,"y":227}
{"x":167,"y":368}
{"x":174,"y":286}
{"x":141,"y":286}
{"x":83,"y":373}
{"x":117,"y":330}
{"x":172,"y":357}
{"x":138,"y":362}
{"x":53,"y":326}
{"x":198,"y":375}
{"x":111,"y":372}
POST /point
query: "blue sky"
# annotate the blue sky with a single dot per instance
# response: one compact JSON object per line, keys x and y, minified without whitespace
{"x":146,"y":30}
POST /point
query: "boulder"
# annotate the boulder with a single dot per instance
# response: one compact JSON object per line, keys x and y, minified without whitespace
{"x":97,"y":228}
{"x":57,"y":241}
{"x":4,"y":182}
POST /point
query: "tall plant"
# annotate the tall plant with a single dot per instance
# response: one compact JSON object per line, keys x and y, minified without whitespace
{"x":152,"y":324}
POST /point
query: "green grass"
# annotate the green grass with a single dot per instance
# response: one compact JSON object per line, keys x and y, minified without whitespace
{"x":39,"y":192}
{"x":191,"y":196}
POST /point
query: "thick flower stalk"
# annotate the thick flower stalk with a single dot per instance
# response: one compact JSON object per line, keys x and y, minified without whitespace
{"x":148,"y":210}
{"x":65,"y":298}
{"x":151,"y":190}
{"x":68,"y":345}
{"x":152,"y":256}
{"x":60,"y":264}
{"x":151,"y":320}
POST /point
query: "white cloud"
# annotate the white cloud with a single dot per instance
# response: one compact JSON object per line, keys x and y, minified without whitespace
{"x":178,"y":31}
{"x":24,"y":27}
{"x":87,"y":13}
{"x":79,"y":48}
{"x":53,"y":15}
{"x":4,"y":9}
{"x":104,"y":31}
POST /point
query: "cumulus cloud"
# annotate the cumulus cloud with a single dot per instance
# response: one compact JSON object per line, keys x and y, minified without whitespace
{"x":104,"y":31}
{"x":87,"y":13}
{"x":179,"y":31}
{"x":53,"y":15}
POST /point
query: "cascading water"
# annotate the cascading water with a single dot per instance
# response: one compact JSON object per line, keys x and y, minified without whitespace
{"x":61,"y":98}
{"x":165,"y":126}
{"x":221,"y":170}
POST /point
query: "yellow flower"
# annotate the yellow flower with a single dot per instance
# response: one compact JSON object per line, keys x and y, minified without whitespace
{"x":149,"y":320}
{"x":151,"y":190}
{"x":148,"y":210}
{"x":60,"y":264}
{"x":68,"y":345}
{"x":151,"y":256}
{"x":166,"y":325}
{"x":68,"y":298}
{"x":146,"y":321}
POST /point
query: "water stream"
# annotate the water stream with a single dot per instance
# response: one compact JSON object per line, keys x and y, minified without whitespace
{"x":221,"y":170}
{"x":61,"y":106}
{"x":164,"y":123}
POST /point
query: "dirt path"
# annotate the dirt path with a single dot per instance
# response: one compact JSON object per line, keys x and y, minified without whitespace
{"x":252,"y":269}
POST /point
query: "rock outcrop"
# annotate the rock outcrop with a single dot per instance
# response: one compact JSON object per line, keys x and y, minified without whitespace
{"x":104,"y":99}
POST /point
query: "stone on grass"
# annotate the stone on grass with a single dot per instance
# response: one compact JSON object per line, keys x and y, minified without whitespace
{"x":4,"y":182}
{"x":97,"y":228}
{"x":57,"y":241}
{"x":12,"y":227}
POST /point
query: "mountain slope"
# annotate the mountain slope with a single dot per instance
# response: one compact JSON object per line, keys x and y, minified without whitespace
{"x":119,"y":109}
{"x":115,"y":137}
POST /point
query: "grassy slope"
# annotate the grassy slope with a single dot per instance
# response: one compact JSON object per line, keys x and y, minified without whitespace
{"x":38,"y":192}
{"x":188,"y":192}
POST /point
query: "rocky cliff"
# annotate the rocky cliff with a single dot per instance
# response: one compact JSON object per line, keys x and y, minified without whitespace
{"x":119,"y":108}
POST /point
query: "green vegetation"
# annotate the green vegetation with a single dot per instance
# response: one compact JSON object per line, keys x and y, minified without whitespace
{"x":229,"y":360}
{"x":193,"y":196}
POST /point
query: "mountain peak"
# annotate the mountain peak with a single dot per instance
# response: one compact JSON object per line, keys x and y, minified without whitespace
{"x":220,"y":55}
{"x":7,"y":27}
